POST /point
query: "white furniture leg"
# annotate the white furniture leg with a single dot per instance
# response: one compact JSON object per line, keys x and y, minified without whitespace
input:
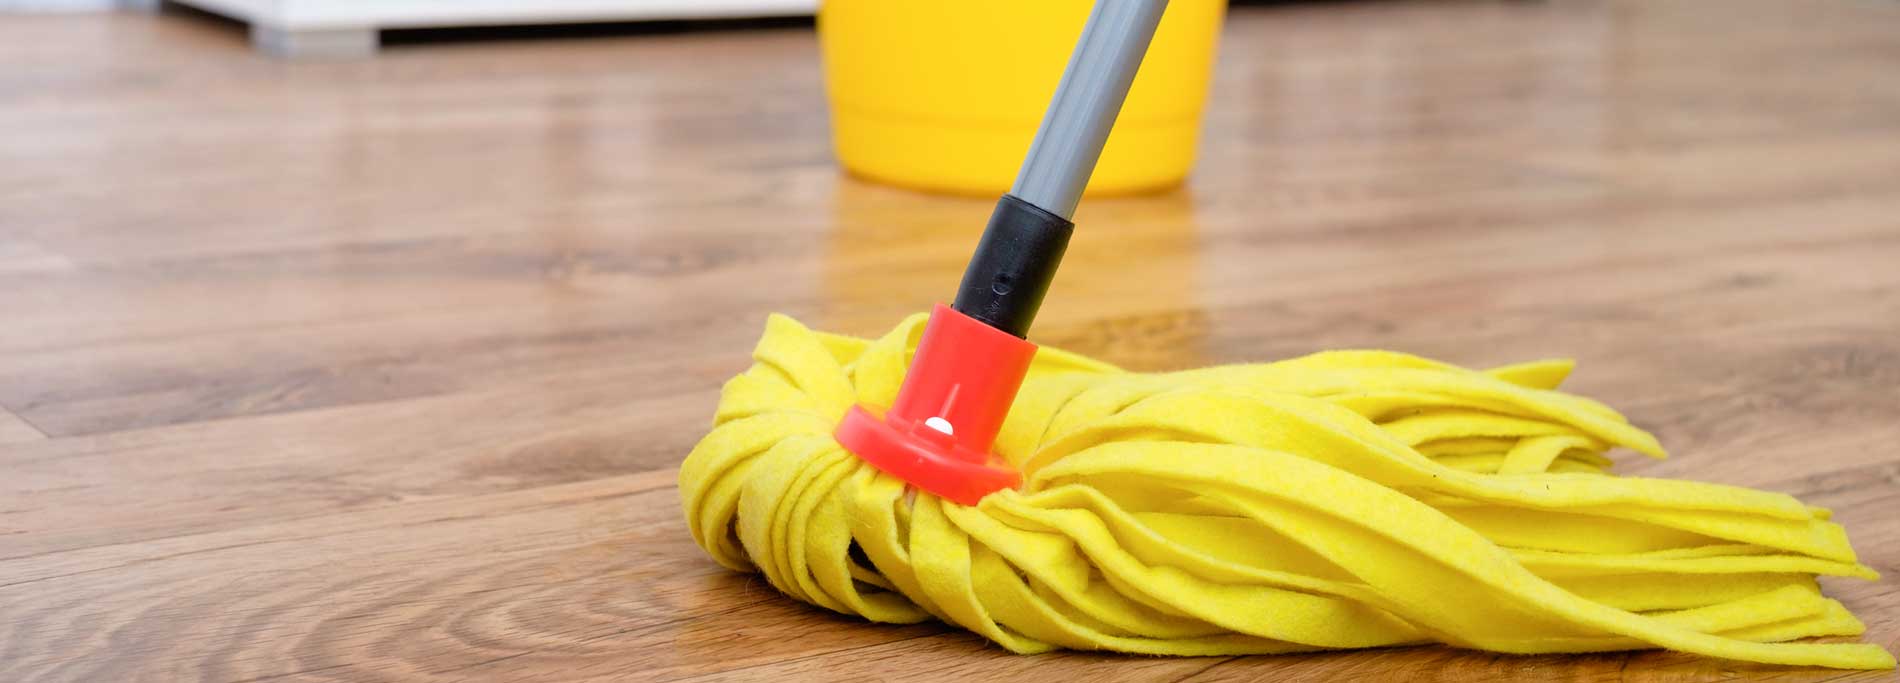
{"x":313,"y":43}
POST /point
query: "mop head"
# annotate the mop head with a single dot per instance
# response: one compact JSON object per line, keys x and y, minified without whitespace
{"x":1345,"y":499}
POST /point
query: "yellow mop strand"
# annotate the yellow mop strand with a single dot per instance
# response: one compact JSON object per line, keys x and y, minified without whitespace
{"x":1340,"y":500}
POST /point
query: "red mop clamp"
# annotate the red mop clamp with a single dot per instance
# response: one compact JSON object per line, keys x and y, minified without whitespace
{"x":973,"y":357}
{"x":969,"y":364}
{"x":955,"y":396}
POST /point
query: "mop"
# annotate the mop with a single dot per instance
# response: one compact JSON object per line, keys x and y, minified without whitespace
{"x":951,"y":470}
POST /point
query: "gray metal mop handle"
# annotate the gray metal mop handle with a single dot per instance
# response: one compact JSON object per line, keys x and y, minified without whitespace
{"x":1086,"y":103}
{"x":1023,"y":244}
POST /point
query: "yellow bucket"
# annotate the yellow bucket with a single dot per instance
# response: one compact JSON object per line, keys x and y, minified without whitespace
{"x":945,"y":96}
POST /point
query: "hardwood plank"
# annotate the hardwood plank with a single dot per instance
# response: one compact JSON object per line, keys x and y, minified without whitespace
{"x":378,"y":370}
{"x":272,"y":367}
{"x":16,"y":255}
{"x":205,"y":476}
{"x":597,"y":578}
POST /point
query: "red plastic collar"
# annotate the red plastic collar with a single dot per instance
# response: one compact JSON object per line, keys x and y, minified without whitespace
{"x":955,"y":396}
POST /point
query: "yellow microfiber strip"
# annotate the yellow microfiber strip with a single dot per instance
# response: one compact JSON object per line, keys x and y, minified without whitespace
{"x":1346,"y":499}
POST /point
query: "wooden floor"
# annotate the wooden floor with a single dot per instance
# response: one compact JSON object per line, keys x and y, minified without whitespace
{"x":381,"y":369}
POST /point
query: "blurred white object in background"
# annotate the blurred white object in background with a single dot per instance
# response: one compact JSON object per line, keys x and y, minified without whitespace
{"x":348,"y":28}
{"x":55,"y":5}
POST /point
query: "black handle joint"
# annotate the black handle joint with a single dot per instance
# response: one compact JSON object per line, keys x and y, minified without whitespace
{"x":1013,"y":265}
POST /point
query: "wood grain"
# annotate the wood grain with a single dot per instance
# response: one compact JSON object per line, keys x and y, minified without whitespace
{"x":14,"y":430}
{"x":379,"y":370}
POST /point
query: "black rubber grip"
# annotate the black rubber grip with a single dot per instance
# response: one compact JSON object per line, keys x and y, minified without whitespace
{"x":1013,"y":265}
